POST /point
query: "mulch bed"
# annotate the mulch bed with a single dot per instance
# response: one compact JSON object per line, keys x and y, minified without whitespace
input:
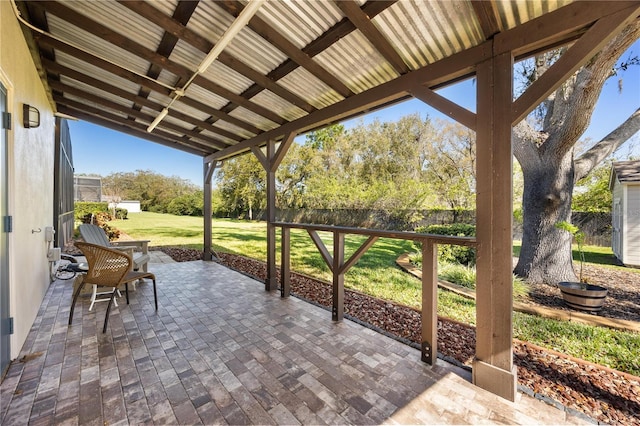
{"x":600,"y":393}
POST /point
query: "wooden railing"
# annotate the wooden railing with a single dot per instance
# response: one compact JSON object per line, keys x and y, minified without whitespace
{"x":339,"y":266}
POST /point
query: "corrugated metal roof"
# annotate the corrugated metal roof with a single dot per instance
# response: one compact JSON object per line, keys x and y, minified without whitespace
{"x":292,"y":58}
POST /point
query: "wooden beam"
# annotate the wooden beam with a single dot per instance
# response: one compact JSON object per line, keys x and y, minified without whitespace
{"x":182,"y":13}
{"x":237,"y":99}
{"x":337,"y":308}
{"x":429,"y":311}
{"x":285,"y":263}
{"x":321,"y":248}
{"x":46,"y":41}
{"x":360,"y":19}
{"x":590,"y":43}
{"x":358,"y":254}
{"x":271,"y":35}
{"x":142,"y":134}
{"x":220,"y":115}
{"x":445,"y":106}
{"x":556,"y":27}
{"x":272,"y":281}
{"x":96,"y":28}
{"x":54,"y":67}
{"x":317,"y":46}
{"x":136,"y":99}
{"x":138,"y":114}
{"x":179,"y":30}
{"x":207,"y":213}
{"x":261,"y":157}
{"x":78,"y":106}
{"x":451,"y":68}
{"x":136,"y":49}
{"x":282,"y":151}
{"x":494,"y":281}
{"x":487,"y":16}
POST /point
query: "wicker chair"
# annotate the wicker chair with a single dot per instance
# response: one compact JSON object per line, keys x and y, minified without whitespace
{"x":109,"y":268}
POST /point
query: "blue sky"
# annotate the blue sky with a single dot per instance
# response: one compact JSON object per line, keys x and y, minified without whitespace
{"x":98,"y":150}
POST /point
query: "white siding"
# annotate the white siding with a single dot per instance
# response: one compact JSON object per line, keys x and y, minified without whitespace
{"x":618,"y":194}
{"x":632,"y":226}
{"x":30,"y":182}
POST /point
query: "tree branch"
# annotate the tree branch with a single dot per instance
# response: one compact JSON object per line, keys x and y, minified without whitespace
{"x":607,"y":146}
{"x":524,"y":148}
{"x":583,"y":94}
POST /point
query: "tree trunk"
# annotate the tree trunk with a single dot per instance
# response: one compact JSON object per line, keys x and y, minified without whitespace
{"x":546,"y":256}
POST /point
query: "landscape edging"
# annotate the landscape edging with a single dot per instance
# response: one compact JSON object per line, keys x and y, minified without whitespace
{"x":578,"y":317}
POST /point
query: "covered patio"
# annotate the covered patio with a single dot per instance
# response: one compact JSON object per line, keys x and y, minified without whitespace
{"x":221,"y":350}
{"x":221,"y":79}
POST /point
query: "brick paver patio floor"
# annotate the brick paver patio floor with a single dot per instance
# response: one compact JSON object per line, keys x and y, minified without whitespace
{"x":221,"y":350}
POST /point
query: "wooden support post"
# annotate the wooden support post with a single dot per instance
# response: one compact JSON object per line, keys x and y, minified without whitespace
{"x":207,"y":253}
{"x":270,"y":163}
{"x":429,"y":344}
{"x":285,"y":262}
{"x":337,"y":310}
{"x":493,"y":367}
{"x":271,"y":282}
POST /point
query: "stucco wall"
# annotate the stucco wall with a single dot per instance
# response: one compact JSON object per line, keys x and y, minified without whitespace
{"x":31,"y":156}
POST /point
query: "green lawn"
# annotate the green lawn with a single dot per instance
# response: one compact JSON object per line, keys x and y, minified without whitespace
{"x":376,"y":274}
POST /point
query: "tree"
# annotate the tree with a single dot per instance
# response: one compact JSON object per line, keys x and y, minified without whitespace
{"x":545,"y":150}
{"x":595,"y":196}
{"x":243,"y":182}
{"x":153,"y":190}
{"x":450,"y":165}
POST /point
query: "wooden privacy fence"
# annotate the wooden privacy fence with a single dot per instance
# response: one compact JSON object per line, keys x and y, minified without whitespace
{"x":339,"y":266}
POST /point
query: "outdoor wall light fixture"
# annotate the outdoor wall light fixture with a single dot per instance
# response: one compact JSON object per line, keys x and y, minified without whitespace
{"x":30,"y":116}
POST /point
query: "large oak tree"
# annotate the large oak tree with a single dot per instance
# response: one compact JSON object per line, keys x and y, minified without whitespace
{"x":546,"y":153}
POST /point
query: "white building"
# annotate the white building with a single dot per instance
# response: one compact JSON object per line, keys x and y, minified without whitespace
{"x":625,"y":184}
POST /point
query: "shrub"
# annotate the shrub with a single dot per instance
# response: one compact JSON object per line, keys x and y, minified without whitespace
{"x":452,"y":253}
{"x":84,"y":208}
{"x":465,"y":276}
{"x":121,"y":213}
{"x":101,"y":219}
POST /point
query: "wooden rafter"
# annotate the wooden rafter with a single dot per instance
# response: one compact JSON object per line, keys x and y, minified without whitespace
{"x":575,"y":57}
{"x":138,"y":131}
{"x":181,"y":14}
{"x":377,"y":40}
{"x":487,"y":16}
{"x":451,"y":68}
{"x":445,"y":106}
{"x":138,"y":50}
{"x":107,"y":34}
{"x":317,"y":46}
{"x":132,"y":112}
{"x":205,"y":144}
{"x":136,"y":99}
{"x":556,"y":28}
{"x":178,"y":30}
{"x":46,"y":41}
{"x":278,"y":40}
{"x":237,"y":99}
{"x":220,"y":115}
